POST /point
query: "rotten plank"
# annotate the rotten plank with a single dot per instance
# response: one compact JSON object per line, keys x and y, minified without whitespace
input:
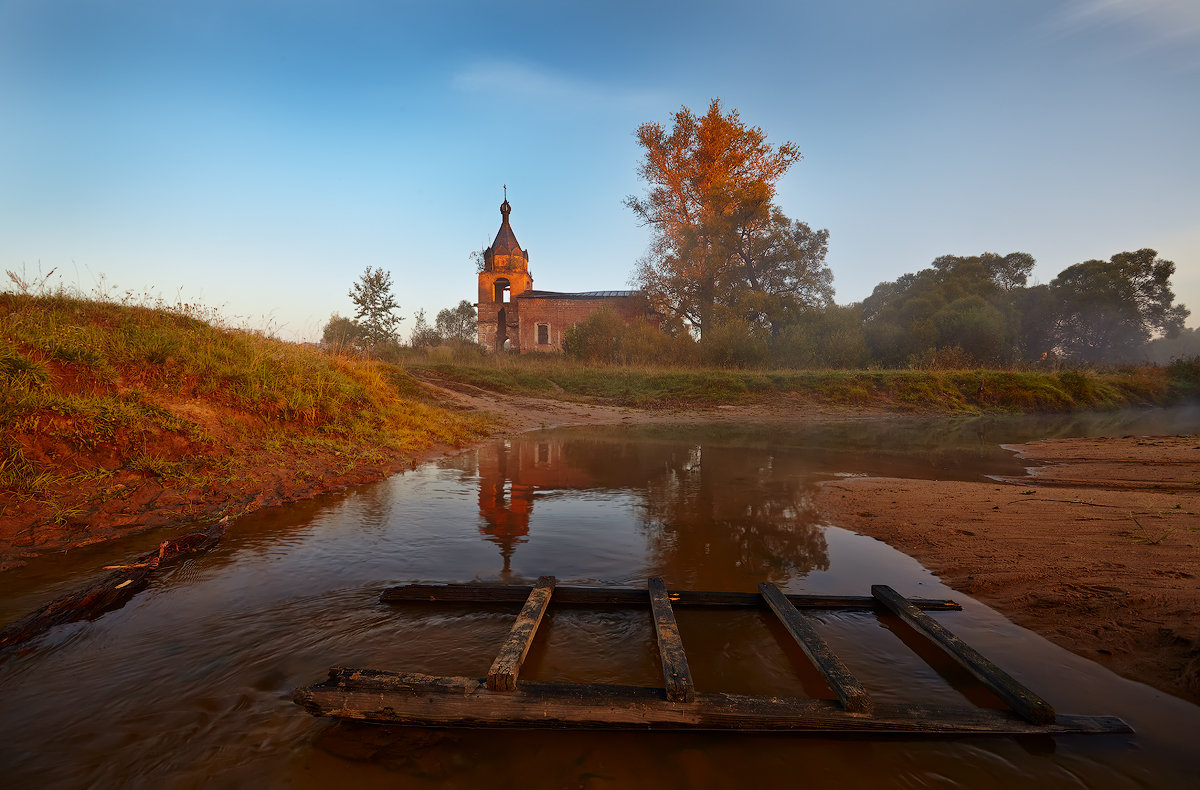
{"x":1024,"y":701}
{"x":631,"y":597}
{"x":841,"y":680}
{"x":430,"y":701}
{"x":675,"y":669}
{"x":113,"y":590}
{"x":503,"y":674}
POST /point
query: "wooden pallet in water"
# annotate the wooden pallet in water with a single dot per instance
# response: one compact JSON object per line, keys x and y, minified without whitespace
{"x":500,"y":701}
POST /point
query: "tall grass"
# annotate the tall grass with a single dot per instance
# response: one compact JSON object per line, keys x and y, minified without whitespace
{"x":90,"y":373}
{"x":949,"y":391}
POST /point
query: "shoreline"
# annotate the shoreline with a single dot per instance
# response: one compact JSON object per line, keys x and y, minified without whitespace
{"x":1098,"y":550}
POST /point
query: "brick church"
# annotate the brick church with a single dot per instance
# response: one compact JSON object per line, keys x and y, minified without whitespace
{"x":514,"y":317}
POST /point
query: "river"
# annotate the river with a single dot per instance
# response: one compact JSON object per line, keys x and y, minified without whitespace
{"x":190,"y":684}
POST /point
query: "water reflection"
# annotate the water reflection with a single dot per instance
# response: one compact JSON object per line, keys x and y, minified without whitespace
{"x":190,"y":685}
{"x":699,"y":507}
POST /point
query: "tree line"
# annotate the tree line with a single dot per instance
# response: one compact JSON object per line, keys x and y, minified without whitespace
{"x":727,"y":268}
{"x":734,"y":281}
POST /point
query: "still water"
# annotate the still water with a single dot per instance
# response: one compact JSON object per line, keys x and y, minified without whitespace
{"x":190,"y":684}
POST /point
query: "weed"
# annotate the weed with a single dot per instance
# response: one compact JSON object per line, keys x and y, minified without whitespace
{"x":1145,"y":536}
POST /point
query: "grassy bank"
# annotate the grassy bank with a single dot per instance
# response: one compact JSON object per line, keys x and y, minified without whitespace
{"x":949,"y":391}
{"x":100,"y":401}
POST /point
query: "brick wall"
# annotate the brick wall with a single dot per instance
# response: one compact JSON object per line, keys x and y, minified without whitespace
{"x":561,"y":314}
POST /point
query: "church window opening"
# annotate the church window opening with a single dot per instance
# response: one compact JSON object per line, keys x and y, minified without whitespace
{"x":543,"y":334}
{"x":502,"y":290}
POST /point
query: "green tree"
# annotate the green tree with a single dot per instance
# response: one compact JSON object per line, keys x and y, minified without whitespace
{"x":720,"y":250}
{"x":1108,"y":310}
{"x":343,"y":333}
{"x":829,"y":338}
{"x":966,"y":303}
{"x":375,"y":306}
{"x":423,"y":335}
{"x":457,"y":324}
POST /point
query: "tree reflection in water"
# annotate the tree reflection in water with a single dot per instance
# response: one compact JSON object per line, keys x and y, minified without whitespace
{"x":711,"y":513}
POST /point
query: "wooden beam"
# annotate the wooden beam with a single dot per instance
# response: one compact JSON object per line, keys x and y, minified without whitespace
{"x":841,"y":680}
{"x":633,"y":598}
{"x":670,"y":646}
{"x":1028,"y":704}
{"x":503,"y":674}
{"x":430,"y":701}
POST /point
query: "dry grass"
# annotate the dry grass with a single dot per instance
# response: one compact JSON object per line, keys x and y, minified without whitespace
{"x":167,"y":391}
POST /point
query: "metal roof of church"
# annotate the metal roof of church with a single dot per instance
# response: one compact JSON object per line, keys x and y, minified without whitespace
{"x":576,"y":295}
{"x":506,"y":240}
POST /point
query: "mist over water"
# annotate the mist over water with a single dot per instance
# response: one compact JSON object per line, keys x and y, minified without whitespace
{"x":190,"y":684}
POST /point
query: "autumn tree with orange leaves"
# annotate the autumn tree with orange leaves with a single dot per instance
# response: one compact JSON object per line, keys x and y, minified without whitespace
{"x":721,"y":251}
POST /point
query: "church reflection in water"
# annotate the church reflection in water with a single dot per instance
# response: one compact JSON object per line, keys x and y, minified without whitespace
{"x":703,"y":507}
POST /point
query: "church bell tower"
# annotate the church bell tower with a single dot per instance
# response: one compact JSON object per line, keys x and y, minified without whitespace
{"x":505,"y":276}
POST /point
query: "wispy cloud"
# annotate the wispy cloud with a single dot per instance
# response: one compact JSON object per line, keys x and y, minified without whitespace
{"x":1152,"y":24}
{"x":521,"y":81}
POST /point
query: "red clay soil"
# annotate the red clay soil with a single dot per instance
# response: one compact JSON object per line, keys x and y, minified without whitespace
{"x":1098,"y":551}
{"x":233,"y":471}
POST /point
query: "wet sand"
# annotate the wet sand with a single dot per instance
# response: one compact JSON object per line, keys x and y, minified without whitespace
{"x":1098,"y":550}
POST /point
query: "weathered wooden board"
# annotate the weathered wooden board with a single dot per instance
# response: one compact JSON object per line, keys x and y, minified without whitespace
{"x":634,"y":598}
{"x":841,"y":680}
{"x":1023,"y":701}
{"x":675,"y":669}
{"x":424,"y":700}
{"x":503,"y":674}
{"x":113,"y":590}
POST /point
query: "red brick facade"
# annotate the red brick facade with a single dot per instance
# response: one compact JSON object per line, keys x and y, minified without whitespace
{"x":514,"y":317}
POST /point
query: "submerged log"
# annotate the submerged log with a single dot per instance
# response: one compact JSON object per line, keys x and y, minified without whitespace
{"x":634,"y":598}
{"x":503,"y":674}
{"x":432,"y":701}
{"x":676,"y":674}
{"x":838,"y":677}
{"x":1023,"y":700}
{"x":113,"y":590}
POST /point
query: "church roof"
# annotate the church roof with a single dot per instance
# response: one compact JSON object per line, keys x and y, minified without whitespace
{"x":506,"y":240}
{"x":576,"y":295}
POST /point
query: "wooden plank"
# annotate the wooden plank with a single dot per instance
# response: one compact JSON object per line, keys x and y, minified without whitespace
{"x":841,"y":680}
{"x":113,"y":590}
{"x":1028,"y":704}
{"x":423,"y":700}
{"x":670,"y":645}
{"x":503,"y":674}
{"x":633,"y":598}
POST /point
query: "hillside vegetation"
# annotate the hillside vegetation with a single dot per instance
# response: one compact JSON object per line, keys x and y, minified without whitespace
{"x":928,"y":391}
{"x":117,"y":417}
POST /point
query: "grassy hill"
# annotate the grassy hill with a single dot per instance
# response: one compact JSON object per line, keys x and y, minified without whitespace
{"x":118,"y":418}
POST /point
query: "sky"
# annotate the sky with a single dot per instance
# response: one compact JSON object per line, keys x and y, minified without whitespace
{"x":256,"y":156}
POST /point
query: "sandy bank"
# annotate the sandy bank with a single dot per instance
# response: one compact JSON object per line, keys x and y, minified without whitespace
{"x":1098,"y":550}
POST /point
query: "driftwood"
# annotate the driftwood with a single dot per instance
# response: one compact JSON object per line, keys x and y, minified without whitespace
{"x":424,"y":700}
{"x":113,"y":590}
{"x":501,"y":701}
{"x":1023,"y":701}
{"x":636,"y":598}
{"x":840,"y":680}
{"x":503,"y":674}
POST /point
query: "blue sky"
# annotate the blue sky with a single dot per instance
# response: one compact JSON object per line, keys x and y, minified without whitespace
{"x":257,"y":155}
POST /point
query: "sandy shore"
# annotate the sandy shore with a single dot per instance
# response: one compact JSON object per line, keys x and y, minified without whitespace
{"x":1099,"y":550}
